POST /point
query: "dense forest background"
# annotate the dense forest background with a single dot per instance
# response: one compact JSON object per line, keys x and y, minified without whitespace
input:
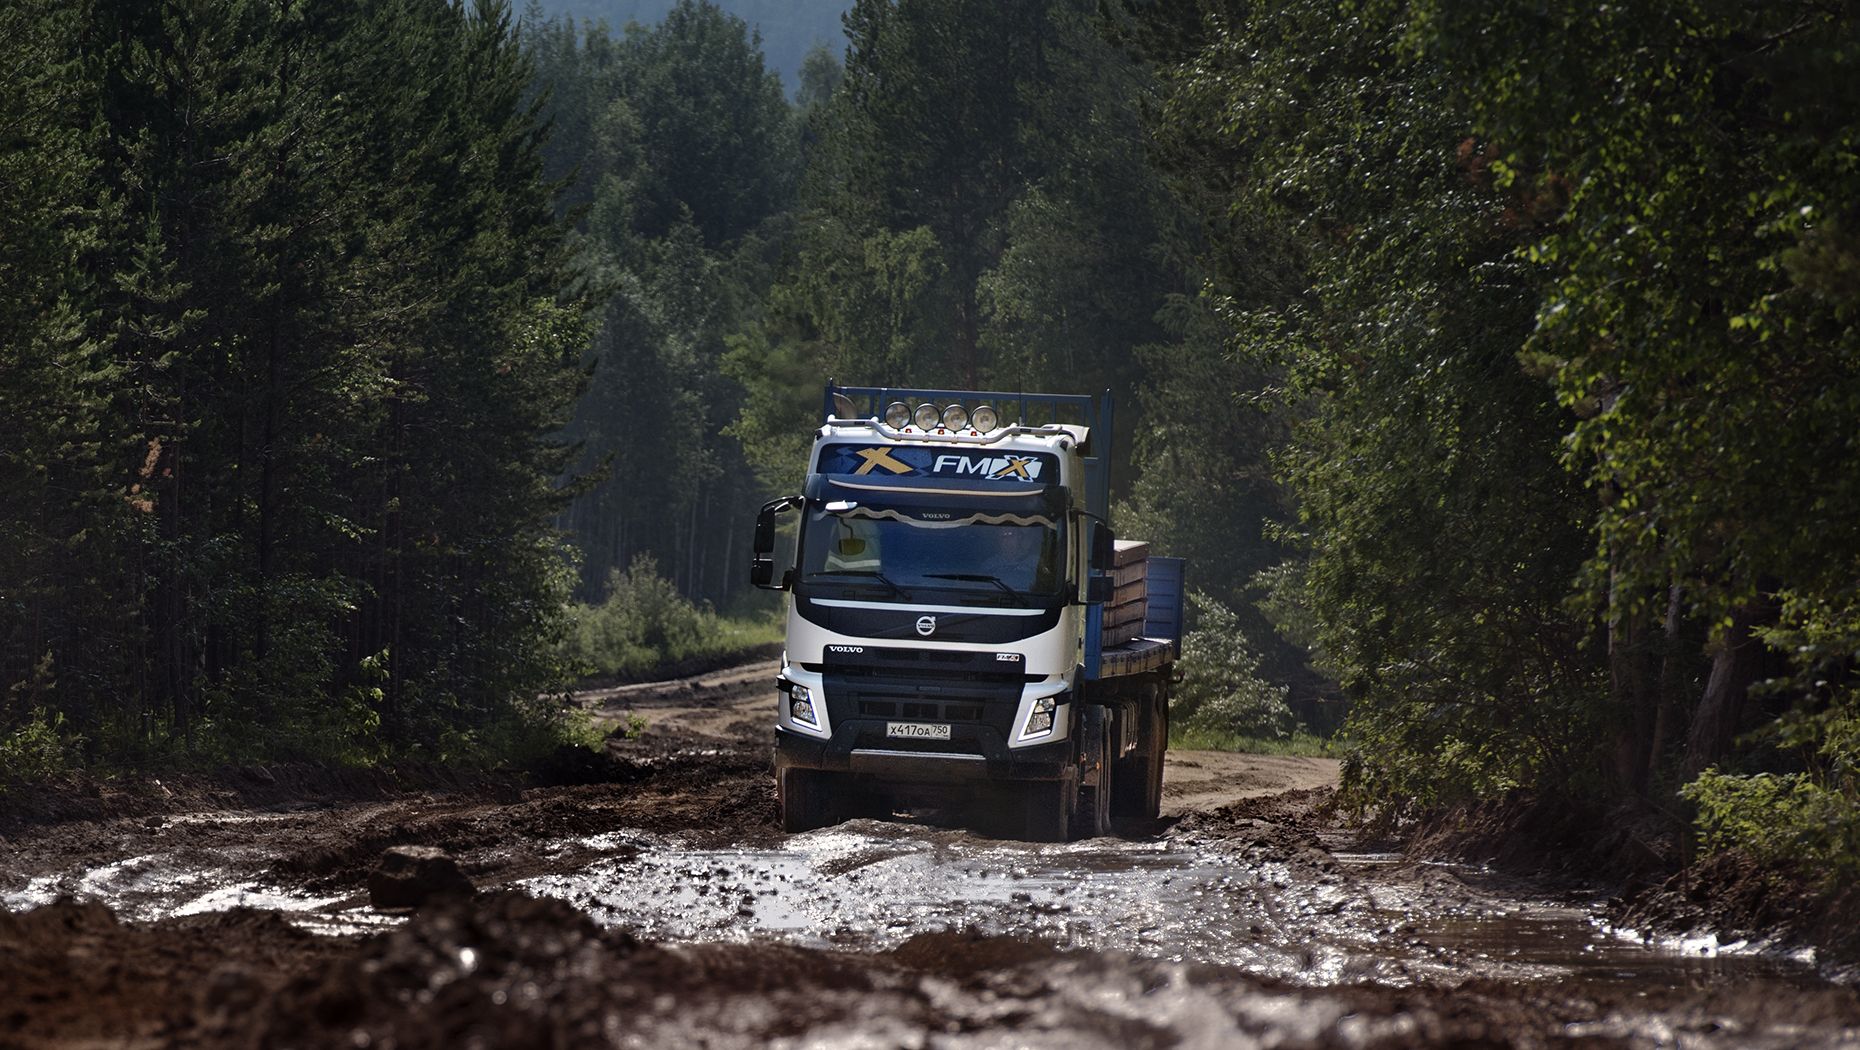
{"x":1494,"y":365}
{"x":786,"y":29}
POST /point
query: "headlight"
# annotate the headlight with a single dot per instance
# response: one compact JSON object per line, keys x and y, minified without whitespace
{"x":955,"y":417}
{"x":926,"y":416}
{"x":801,"y":705}
{"x":1040,"y":721}
{"x":985,"y":418}
{"x":897,"y":415}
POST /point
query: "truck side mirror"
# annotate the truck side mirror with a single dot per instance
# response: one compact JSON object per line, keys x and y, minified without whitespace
{"x":1102,"y":543}
{"x":1103,"y":547}
{"x":762,"y":550}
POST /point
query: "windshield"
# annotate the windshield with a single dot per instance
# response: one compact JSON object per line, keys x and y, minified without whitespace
{"x":931,"y":554}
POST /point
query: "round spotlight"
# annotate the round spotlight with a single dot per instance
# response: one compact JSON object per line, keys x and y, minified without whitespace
{"x":925,"y":416}
{"x":985,"y":418}
{"x":897,"y":415}
{"x":955,"y":417}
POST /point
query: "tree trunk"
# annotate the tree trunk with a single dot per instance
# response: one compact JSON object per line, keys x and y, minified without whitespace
{"x":1634,"y":688}
{"x":1674,"y":664}
{"x":1736,"y":663}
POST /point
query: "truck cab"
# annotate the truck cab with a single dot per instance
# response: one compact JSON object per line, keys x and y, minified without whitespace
{"x":945,"y":619}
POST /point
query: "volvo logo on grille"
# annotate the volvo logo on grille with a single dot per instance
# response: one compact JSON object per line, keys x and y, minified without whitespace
{"x":926,"y":625}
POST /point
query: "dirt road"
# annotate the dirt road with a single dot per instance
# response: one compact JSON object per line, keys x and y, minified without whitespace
{"x":658,"y":904}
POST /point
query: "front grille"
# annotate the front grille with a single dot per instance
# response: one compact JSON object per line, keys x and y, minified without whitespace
{"x":932,"y":674}
{"x":970,"y":690}
{"x":919,"y":709}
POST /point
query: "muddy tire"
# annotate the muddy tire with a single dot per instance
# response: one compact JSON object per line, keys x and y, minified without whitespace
{"x":1136,"y":797}
{"x":1092,"y":817}
{"x":806,"y":799}
{"x":1047,"y":810}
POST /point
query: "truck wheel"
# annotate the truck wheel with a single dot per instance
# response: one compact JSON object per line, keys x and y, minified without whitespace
{"x":1136,"y":797}
{"x":1157,"y":757}
{"x":1094,"y":801}
{"x":1047,"y":812}
{"x":806,"y":800}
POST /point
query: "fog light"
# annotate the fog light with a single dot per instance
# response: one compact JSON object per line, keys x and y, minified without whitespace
{"x":801,"y":705}
{"x":955,"y":417}
{"x":925,"y":416}
{"x":1040,"y":721}
{"x":985,"y":418}
{"x":897,"y":415}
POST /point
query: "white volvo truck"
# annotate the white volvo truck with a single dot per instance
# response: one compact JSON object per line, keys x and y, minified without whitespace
{"x":962,"y":626}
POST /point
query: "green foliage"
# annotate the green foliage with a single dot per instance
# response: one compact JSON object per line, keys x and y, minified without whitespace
{"x":1556,"y":308}
{"x":281,"y":339}
{"x":1703,"y":200}
{"x":38,"y":747}
{"x":1437,"y":529}
{"x":1807,"y":819}
{"x":1221,"y":691}
{"x":645,"y":624}
{"x":1299,"y":742}
{"x":820,"y":76}
{"x":1206,"y":491}
{"x":977,"y":209}
{"x":679,"y":154}
{"x":1787,"y":820}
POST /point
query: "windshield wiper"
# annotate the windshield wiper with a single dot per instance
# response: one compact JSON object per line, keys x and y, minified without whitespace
{"x":978,"y":577}
{"x":869,"y":574}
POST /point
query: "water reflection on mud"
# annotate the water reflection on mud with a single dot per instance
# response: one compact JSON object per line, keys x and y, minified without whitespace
{"x":873,"y":886}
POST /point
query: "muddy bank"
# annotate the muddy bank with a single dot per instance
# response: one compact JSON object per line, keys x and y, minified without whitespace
{"x":80,"y":797}
{"x":88,"y":798}
{"x":1730,"y":898}
{"x":1642,"y":861}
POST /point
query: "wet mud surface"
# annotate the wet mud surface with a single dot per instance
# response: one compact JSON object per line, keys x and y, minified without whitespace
{"x":658,"y":904}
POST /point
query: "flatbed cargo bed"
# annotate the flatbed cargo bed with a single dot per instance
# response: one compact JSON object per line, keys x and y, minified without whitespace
{"x":1136,"y":657}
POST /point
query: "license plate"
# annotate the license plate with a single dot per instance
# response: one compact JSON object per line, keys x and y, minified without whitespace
{"x":918,"y":730}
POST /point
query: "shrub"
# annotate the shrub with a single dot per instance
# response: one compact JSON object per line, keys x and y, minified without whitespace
{"x":645,"y":623}
{"x":38,"y":747}
{"x":1221,"y":691}
{"x":1779,"y":819}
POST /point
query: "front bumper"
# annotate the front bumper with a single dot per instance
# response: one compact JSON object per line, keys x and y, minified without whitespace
{"x":856,"y":747}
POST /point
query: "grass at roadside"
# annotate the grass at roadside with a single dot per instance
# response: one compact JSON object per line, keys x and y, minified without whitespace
{"x":712,"y":639}
{"x":1300,"y":743}
{"x":645,"y":626}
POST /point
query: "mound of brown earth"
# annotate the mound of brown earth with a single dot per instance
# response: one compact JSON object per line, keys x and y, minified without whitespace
{"x":1732,"y":897}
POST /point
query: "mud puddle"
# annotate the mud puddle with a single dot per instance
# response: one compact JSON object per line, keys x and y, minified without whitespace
{"x":872,"y":886}
{"x":1276,"y":906}
{"x":1229,"y":931}
{"x":1496,"y":935}
{"x":153,"y":887}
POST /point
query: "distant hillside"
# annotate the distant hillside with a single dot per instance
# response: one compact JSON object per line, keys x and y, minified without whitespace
{"x":789,"y":27}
